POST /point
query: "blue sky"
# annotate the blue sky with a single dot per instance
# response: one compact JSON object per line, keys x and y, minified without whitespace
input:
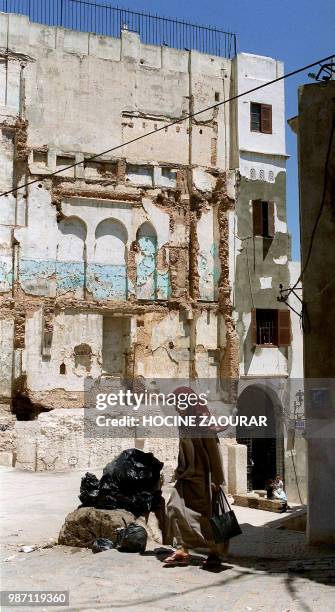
{"x":294,"y":31}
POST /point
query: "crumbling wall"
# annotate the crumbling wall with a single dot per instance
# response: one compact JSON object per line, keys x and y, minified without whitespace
{"x":139,"y":238}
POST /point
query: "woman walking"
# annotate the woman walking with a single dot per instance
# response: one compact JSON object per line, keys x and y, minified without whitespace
{"x":199,"y":475}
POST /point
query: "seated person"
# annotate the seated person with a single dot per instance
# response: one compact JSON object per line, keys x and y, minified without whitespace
{"x":278,"y":491}
{"x":275,"y":490}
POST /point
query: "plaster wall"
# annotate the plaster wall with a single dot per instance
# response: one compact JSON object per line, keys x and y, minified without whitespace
{"x":253,"y":71}
{"x":315,"y":131}
{"x":148,"y":233}
{"x":75,"y":75}
{"x":6,"y":356}
{"x":261,"y":266}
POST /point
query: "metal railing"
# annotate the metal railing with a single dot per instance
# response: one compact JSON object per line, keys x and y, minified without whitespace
{"x":104,"y":19}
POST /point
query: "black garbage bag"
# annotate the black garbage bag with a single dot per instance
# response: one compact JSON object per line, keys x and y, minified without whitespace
{"x":101,"y":544}
{"x":110,"y":497}
{"x":130,"y":482}
{"x":132,"y":538}
{"x":134,"y":471}
{"x":89,"y":489}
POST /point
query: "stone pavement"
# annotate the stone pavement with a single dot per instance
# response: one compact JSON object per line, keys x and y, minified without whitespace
{"x":257,"y":575}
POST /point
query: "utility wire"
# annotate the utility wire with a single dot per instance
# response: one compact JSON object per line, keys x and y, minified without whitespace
{"x":176,"y":121}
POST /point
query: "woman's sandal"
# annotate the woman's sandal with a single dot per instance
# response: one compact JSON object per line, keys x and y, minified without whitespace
{"x":177,"y":559}
{"x":212,"y":562}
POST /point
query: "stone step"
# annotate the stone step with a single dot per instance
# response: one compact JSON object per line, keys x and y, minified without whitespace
{"x":251,"y":500}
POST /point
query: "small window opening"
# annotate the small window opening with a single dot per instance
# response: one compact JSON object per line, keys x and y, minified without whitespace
{"x":261,"y":118}
{"x":64,"y":160}
{"x":267,"y":330}
{"x":40,"y":157}
{"x":62,"y":369}
{"x":263,"y":218}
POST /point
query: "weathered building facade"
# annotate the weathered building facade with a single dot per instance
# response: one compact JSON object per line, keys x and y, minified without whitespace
{"x":161,"y":259}
{"x":315,"y":127}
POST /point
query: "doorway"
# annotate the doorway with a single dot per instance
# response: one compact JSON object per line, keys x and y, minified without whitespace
{"x":263,"y":443}
{"x":115,"y":344}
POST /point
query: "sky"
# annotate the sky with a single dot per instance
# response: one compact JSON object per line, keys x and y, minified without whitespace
{"x":296,"y":32}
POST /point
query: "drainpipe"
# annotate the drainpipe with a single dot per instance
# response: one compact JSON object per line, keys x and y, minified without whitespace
{"x":22,"y":92}
{"x":190,"y":111}
{"x":192,"y":366}
{"x":85,"y":271}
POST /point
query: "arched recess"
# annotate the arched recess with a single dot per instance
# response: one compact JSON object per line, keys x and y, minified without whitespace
{"x":146,"y":277}
{"x":110,"y":243}
{"x":70,"y":265}
{"x":83,"y":356}
{"x":265,"y":444}
{"x":108,"y":271}
{"x":71,"y":240}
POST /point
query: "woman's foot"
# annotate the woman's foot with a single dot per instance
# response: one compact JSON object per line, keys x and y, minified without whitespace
{"x":213,"y":561}
{"x":178,"y":558}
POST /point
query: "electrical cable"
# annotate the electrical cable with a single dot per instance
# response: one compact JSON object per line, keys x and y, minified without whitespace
{"x":305,"y":320}
{"x":172,"y":123}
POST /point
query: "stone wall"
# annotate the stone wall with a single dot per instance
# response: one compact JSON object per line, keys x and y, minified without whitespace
{"x":130,"y":264}
{"x":315,"y":127}
{"x":119,"y":266}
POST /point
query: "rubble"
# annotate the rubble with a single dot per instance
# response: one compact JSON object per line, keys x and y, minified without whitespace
{"x":84,"y":525}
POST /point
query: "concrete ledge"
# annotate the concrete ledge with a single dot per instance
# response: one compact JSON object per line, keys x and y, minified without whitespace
{"x":251,"y":501}
{"x":295,"y":521}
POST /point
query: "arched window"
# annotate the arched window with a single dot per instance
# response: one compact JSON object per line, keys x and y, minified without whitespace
{"x":108,"y":271}
{"x":147,"y":262}
{"x":110,"y":243}
{"x":253,"y":174}
{"x":72,"y":236}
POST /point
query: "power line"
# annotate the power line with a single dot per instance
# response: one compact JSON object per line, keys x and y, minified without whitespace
{"x":175,"y":122}
{"x":285,"y":293}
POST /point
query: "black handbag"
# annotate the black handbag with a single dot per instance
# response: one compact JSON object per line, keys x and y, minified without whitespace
{"x":224,"y":524}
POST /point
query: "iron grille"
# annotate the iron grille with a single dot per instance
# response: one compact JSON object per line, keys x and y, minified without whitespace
{"x":106,"y":20}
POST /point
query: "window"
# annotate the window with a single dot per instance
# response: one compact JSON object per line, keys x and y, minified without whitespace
{"x":139,"y":174}
{"x":263,"y":218}
{"x":270,"y":327}
{"x":40,"y":157}
{"x":253,"y":174}
{"x":261,"y":118}
{"x":64,"y":160}
{"x":62,"y":369}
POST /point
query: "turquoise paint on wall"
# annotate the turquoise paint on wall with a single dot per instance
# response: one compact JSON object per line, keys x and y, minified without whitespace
{"x":34,"y":276}
{"x":146,"y":268}
{"x":107,"y":282}
{"x":163,"y":286}
{"x":6,"y":274}
{"x":69,"y":276}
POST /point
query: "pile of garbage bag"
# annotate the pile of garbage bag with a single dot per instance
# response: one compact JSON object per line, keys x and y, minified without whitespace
{"x":132,"y":539}
{"x":130,"y":482}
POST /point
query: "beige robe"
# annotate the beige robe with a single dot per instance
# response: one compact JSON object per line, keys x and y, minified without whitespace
{"x":190,"y":505}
